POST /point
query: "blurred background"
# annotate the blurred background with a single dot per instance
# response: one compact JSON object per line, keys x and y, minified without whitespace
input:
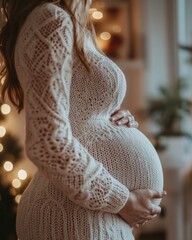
{"x":151,"y":41}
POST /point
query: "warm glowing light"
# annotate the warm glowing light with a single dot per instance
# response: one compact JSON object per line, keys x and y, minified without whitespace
{"x":5,"y":109}
{"x":8,"y":166}
{"x":16,"y":183}
{"x":22,"y":174}
{"x":1,"y":147}
{"x":17,"y":198}
{"x":97,"y":15}
{"x":116,"y":29}
{"x":105,"y":36}
{"x":2,"y":131}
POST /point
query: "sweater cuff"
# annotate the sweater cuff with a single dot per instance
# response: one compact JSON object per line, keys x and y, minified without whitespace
{"x":118,"y":197}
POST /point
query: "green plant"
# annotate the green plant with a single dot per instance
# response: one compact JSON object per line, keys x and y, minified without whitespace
{"x":169,"y":109}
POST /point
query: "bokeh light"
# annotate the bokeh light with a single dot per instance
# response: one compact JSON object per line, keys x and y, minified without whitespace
{"x":8,"y":166}
{"x":105,"y":36}
{"x":17,"y":198}
{"x":5,"y":109}
{"x":2,"y":131}
{"x":16,"y":183}
{"x":1,"y":147}
{"x":97,"y":15}
{"x":22,"y":174}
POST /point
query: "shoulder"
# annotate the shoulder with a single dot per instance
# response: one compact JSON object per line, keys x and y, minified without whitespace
{"x":49,"y":10}
{"x":46,"y":14}
{"x":43,"y":22}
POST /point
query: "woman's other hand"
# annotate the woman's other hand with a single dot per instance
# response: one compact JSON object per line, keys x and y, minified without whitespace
{"x":124,"y":117}
{"x":139,"y":209}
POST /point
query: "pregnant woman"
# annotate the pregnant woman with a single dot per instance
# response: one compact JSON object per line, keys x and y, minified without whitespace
{"x":96,"y":179}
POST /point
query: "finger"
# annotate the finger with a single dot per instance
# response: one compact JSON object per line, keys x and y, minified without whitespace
{"x":120,"y":114}
{"x":154,"y":209}
{"x":141,"y":223}
{"x":157,"y":194}
{"x":117,"y":115}
{"x":133,"y":124}
{"x":137,"y":225}
{"x":130,"y":118}
{"x":125,"y":120}
{"x":122,"y":121}
{"x":150,"y":217}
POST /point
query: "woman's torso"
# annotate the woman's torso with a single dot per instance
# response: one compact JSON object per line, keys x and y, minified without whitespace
{"x":125,"y":152}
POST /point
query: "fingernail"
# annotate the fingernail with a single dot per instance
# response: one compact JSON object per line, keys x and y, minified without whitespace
{"x":119,"y":123}
{"x":164,"y":193}
{"x":113,"y":118}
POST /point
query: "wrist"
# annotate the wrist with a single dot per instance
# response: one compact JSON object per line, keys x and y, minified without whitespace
{"x":129,"y":204}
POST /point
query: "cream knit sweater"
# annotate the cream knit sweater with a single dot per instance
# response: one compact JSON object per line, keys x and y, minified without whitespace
{"x":86,"y":164}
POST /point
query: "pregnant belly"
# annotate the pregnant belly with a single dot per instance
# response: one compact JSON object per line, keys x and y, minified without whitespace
{"x":127,"y":154}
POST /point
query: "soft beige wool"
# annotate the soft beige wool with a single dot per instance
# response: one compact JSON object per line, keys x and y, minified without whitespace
{"x":87,"y":165}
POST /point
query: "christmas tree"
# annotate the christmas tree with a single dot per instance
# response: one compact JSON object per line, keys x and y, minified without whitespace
{"x":12,"y":181}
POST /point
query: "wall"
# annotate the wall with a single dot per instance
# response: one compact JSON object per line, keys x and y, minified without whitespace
{"x":159,"y":44}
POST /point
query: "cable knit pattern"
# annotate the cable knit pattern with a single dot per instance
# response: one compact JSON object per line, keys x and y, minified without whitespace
{"x":86,"y":165}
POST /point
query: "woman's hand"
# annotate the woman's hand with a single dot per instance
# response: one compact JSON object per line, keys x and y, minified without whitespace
{"x":139,"y":209}
{"x":124,"y":117}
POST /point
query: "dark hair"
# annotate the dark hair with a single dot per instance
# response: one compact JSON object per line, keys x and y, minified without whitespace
{"x":15,"y":12}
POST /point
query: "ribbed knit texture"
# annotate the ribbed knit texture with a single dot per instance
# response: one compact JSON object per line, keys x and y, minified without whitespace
{"x":87,"y":165}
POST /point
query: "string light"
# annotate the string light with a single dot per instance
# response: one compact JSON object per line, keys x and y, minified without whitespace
{"x":5,"y":109}
{"x":16,"y":183}
{"x":97,"y":15}
{"x":1,"y":147}
{"x":18,"y":198}
{"x":2,"y":131}
{"x":8,"y":166}
{"x":22,"y":174}
{"x":105,"y":36}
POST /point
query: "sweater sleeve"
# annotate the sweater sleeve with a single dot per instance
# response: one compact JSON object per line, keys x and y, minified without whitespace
{"x":47,"y":58}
